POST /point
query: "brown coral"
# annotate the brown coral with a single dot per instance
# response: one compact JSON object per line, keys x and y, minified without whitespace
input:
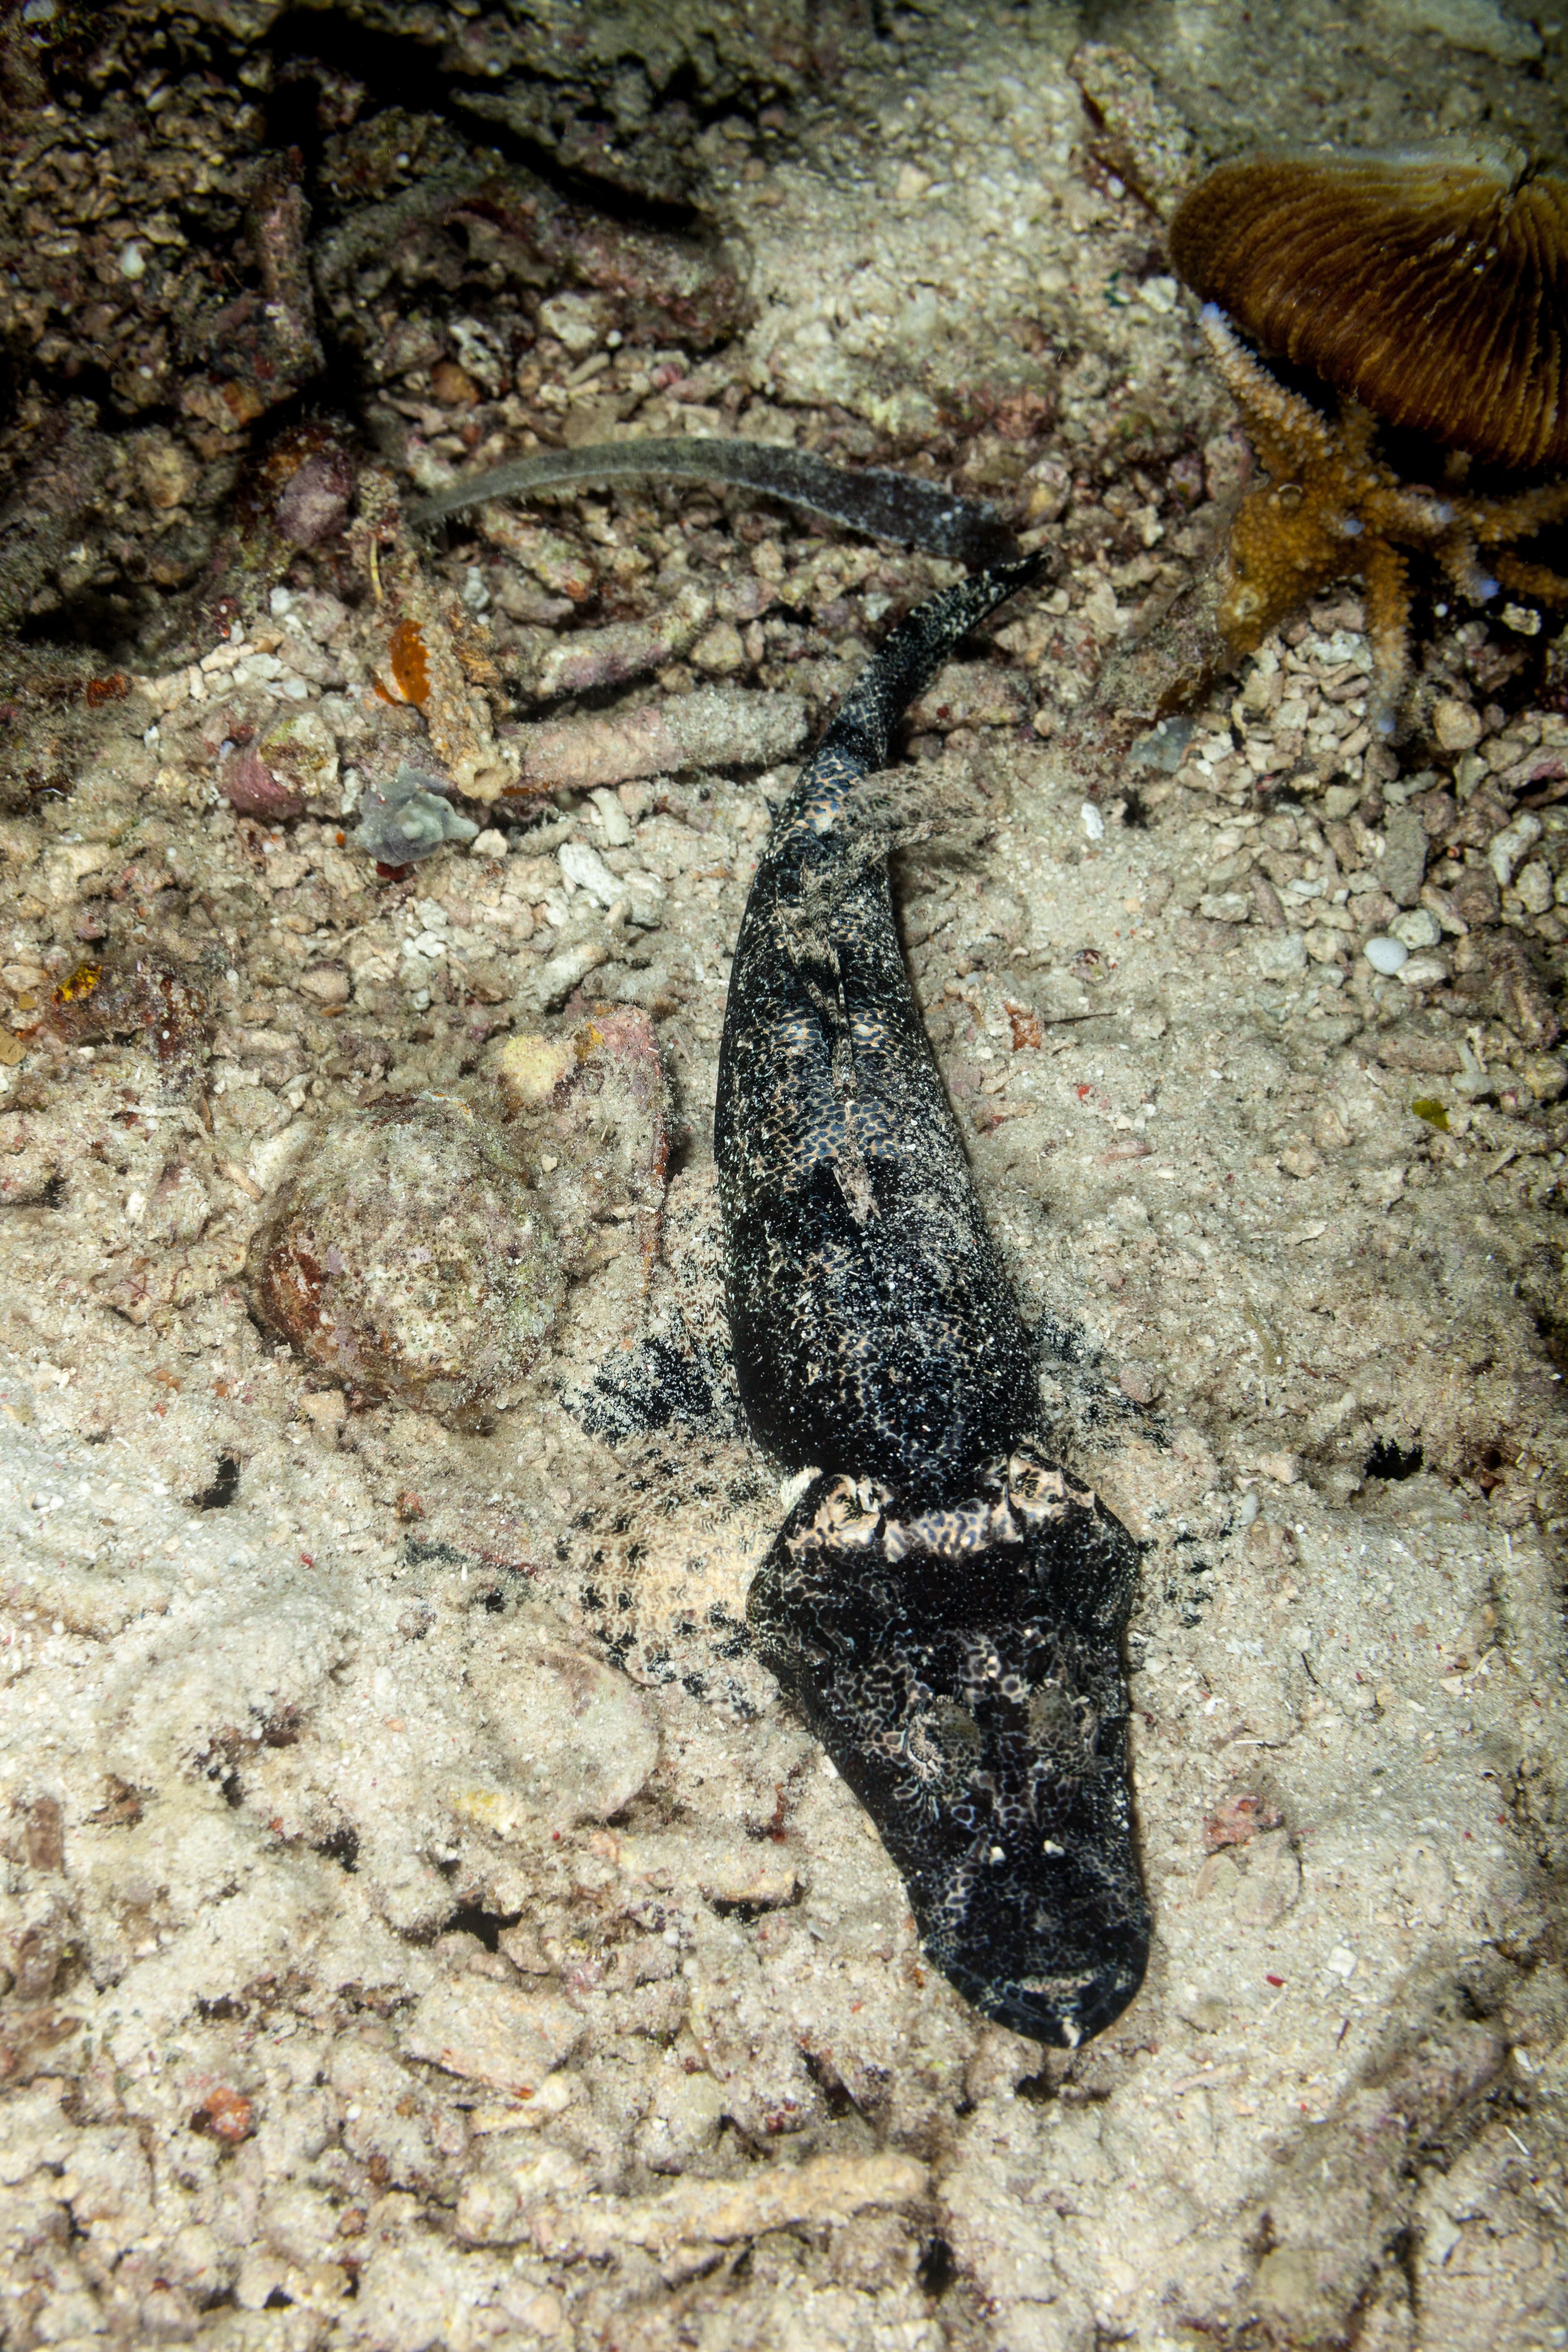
{"x":1433,"y":290}
{"x":1431,"y":295}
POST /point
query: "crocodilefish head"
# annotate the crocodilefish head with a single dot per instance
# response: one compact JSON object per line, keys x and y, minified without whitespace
{"x":963,"y":1667}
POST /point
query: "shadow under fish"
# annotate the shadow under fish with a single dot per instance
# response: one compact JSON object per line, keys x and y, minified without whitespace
{"x":944,"y":1604}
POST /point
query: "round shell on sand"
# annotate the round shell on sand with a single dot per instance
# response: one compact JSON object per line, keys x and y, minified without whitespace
{"x":408,"y":1257}
{"x":1434,"y":289}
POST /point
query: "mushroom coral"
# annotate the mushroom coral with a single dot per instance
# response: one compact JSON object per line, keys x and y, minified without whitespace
{"x":1428,"y":294}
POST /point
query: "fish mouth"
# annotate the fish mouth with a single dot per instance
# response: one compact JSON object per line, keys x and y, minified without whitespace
{"x":1056,"y":1965}
{"x":1064,"y":2012}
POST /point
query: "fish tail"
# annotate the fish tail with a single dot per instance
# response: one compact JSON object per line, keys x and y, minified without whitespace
{"x":862,"y":729}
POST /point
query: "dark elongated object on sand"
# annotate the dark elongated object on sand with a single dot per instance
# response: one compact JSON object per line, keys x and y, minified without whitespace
{"x":944,"y":1604}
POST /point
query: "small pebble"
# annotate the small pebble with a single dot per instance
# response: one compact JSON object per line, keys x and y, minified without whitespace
{"x":1424,"y":970}
{"x":576,"y":320}
{"x":453,"y":386}
{"x":1535,"y":888}
{"x":132,"y":261}
{"x":1454,"y":724}
{"x":1508,"y":847}
{"x":1385,"y":955}
{"x":618,"y":834}
{"x":1093,"y":822}
{"x":1418,"y":929}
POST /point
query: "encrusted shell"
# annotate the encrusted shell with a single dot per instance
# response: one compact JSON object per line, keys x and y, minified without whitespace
{"x":1435,"y":288}
{"x":409,"y":1257}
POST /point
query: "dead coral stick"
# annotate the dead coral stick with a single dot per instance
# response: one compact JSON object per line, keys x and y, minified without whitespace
{"x":884,"y":504}
{"x":717,"y":724}
{"x":710,"y":2214}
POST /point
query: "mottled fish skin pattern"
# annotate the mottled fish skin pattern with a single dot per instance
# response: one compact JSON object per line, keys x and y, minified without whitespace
{"x":944,"y":1606}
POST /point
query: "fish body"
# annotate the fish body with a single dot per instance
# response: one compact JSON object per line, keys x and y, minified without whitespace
{"x":943,"y":1605}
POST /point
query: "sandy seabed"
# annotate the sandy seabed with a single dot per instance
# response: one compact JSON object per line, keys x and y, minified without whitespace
{"x":422,"y":1924}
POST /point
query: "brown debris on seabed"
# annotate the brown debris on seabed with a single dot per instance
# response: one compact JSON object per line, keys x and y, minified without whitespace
{"x":420,"y":1924}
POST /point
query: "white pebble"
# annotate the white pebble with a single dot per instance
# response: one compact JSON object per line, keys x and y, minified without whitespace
{"x":491,"y":843}
{"x":1534,"y":885}
{"x":1386,"y":955}
{"x":1093,"y":822}
{"x":132,"y":261}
